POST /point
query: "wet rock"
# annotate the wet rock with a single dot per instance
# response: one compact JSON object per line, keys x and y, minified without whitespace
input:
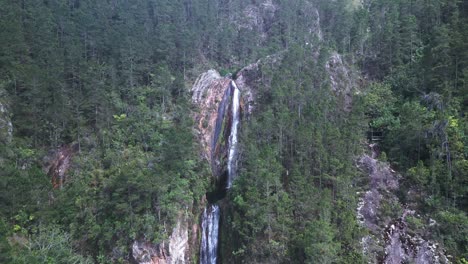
{"x":208,"y":92}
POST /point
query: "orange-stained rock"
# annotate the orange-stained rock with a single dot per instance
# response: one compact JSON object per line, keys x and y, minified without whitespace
{"x":58,"y":164}
{"x":208,"y":92}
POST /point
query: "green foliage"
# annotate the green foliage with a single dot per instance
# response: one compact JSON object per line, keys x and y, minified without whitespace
{"x":49,"y":245}
{"x":379,"y":104}
{"x":419,"y":174}
{"x":415,"y":51}
{"x":415,"y":224}
{"x":293,"y":191}
{"x":110,"y":76}
{"x":453,"y":231}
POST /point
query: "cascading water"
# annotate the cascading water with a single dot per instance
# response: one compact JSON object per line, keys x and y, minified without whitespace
{"x":211,"y":215}
{"x":233,"y":137}
{"x":210,"y":227}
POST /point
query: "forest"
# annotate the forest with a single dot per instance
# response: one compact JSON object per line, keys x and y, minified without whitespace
{"x":99,"y":147}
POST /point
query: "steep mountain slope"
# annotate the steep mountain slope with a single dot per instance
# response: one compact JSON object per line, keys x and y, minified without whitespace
{"x":180,"y":131}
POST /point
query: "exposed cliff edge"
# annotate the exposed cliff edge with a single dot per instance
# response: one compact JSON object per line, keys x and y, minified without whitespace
{"x":390,"y":239}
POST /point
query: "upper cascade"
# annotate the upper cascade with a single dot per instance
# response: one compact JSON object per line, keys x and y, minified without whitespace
{"x":232,"y":158}
{"x":218,"y":120}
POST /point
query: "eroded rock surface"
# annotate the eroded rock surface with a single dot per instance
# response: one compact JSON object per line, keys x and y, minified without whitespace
{"x":261,"y":16}
{"x":208,"y":92}
{"x":173,"y":251}
{"x":342,"y":79}
{"x":389,"y":240}
{"x":256,"y":17}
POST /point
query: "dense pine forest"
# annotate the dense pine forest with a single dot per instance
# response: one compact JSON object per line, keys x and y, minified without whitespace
{"x":103,"y":156}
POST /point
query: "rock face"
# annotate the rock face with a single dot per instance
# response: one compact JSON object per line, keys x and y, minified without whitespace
{"x":6,"y":127}
{"x":261,"y":16}
{"x":389,"y":240}
{"x":208,"y":92}
{"x":251,"y":77}
{"x":147,"y":253}
{"x":57,"y":164}
{"x":312,"y":17}
{"x":256,"y":17}
{"x":342,"y":79}
{"x":173,"y":251}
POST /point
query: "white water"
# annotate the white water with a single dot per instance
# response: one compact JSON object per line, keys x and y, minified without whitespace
{"x":209,"y":243}
{"x":233,"y":137}
{"x":211,"y":215}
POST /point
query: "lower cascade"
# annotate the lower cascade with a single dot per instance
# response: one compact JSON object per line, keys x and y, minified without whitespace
{"x":211,"y":214}
{"x":210,"y":228}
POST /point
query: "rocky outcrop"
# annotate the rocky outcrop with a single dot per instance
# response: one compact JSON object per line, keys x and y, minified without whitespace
{"x":311,"y":17}
{"x":6,"y":127}
{"x":173,"y":251}
{"x":57,"y":164}
{"x":261,"y":17}
{"x":390,"y":239}
{"x":178,"y":242}
{"x":207,"y":93}
{"x":342,"y":79}
{"x":147,"y":253}
{"x":251,"y":77}
{"x":256,"y":17}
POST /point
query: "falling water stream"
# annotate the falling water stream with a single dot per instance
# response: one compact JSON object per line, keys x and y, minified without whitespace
{"x":211,"y":215}
{"x":209,"y":243}
{"x":233,"y":137}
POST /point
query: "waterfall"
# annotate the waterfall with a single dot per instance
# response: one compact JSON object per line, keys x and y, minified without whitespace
{"x":233,"y":136}
{"x":211,"y":214}
{"x":209,"y":243}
